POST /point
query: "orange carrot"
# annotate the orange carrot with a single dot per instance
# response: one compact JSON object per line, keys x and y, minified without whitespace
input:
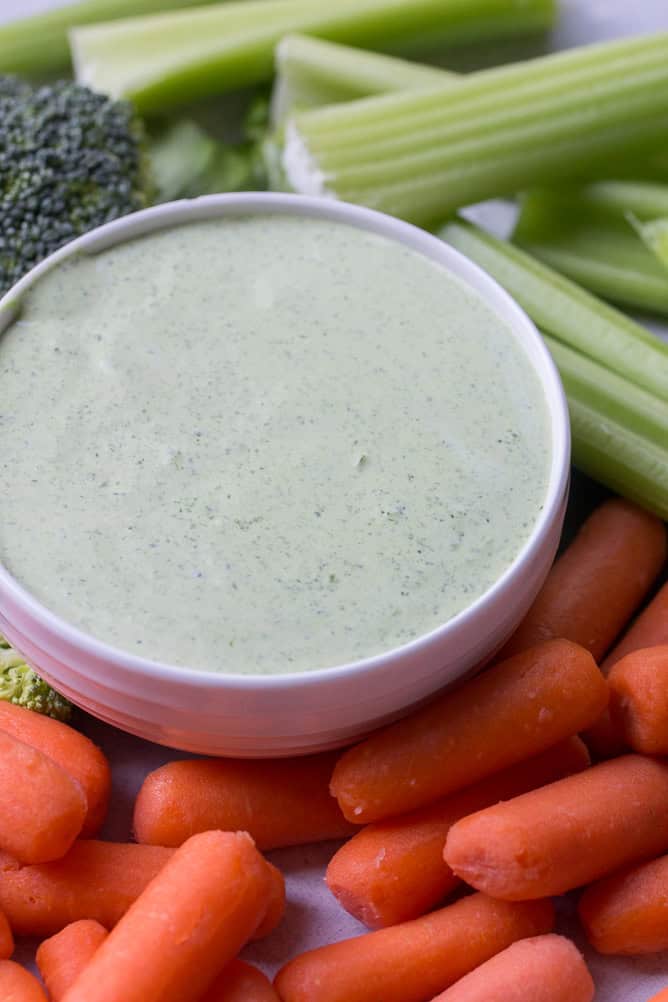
{"x":73,"y":752}
{"x":62,"y":958}
{"x":597,"y":583}
{"x":661,"y":997}
{"x":190,"y":921}
{"x":413,"y":961}
{"x":275,"y":904}
{"x":394,"y":870}
{"x":650,"y":629}
{"x":542,"y":969}
{"x":18,"y":985}
{"x":240,"y":982}
{"x":639,"y":699}
{"x":279,"y":803}
{"x":627,"y":912}
{"x":95,"y":880}
{"x":565,"y":834}
{"x":6,"y":938}
{"x":511,"y":712}
{"x":42,"y":808}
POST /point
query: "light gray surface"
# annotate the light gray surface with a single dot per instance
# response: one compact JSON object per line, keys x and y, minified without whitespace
{"x":313,"y":918}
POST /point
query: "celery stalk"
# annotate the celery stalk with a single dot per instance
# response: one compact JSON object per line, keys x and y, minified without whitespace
{"x":423,"y":153}
{"x":618,"y":199}
{"x":619,"y":432}
{"x":311,"y":72}
{"x":580,"y":234}
{"x":615,"y":373}
{"x":611,"y":395}
{"x":626,"y":462}
{"x":655,"y":236}
{"x":172,"y":58}
{"x":37,"y":45}
{"x":566,"y":312}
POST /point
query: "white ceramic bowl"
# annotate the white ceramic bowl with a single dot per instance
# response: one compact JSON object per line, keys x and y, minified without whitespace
{"x":288,"y":714}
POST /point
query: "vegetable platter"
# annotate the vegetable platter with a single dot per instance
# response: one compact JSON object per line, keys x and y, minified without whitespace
{"x":313,"y":916}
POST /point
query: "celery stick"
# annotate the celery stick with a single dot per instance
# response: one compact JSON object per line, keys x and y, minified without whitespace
{"x":642,"y":199}
{"x":567,"y":312}
{"x":619,"y":432}
{"x":612,"y":396}
{"x":172,"y":58}
{"x":423,"y":153}
{"x":615,"y":373}
{"x":311,"y":72}
{"x":619,"y":458}
{"x":655,"y":236}
{"x":37,"y":45}
{"x":581,"y":236}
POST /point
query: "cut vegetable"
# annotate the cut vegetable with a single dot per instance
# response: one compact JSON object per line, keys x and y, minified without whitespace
{"x":619,"y":199}
{"x":609,"y":252}
{"x":604,"y":357}
{"x":421,"y":155}
{"x":610,"y":395}
{"x":627,"y":463}
{"x":37,"y":45}
{"x":412,"y":961}
{"x":311,"y":72}
{"x":655,"y":235}
{"x":597,"y":582}
{"x":567,"y":834}
{"x":172,"y":58}
{"x":567,"y":312}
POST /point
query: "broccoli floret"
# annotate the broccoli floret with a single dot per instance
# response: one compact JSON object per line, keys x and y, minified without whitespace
{"x":21,"y":685}
{"x":70,"y":160}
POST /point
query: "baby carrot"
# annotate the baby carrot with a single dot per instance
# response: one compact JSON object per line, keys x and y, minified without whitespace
{"x":511,"y":712}
{"x":661,"y":997}
{"x":63,"y":957}
{"x":394,"y":870}
{"x":95,"y":880}
{"x":275,"y":904}
{"x":566,"y":834}
{"x":18,"y":985}
{"x":650,"y":629}
{"x":639,"y":699}
{"x":42,"y":808}
{"x":240,"y":982}
{"x":190,"y":921}
{"x":627,"y":912}
{"x":597,"y":583}
{"x":279,"y":803}
{"x":413,"y":961}
{"x":6,"y":938}
{"x":73,"y":752}
{"x":542,"y":969}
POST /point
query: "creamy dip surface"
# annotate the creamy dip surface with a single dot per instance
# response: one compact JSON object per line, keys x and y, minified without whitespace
{"x":264,"y":444}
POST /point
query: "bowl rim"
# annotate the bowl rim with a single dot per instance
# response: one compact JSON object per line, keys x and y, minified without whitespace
{"x":181,"y":212}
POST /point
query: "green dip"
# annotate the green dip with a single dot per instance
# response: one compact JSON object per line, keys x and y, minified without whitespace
{"x":264,"y":444}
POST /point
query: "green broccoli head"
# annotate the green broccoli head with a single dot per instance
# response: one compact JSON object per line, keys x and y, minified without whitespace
{"x":70,"y":160}
{"x":21,"y":685}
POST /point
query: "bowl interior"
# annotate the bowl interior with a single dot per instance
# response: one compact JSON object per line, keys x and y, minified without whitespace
{"x":56,"y":630}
